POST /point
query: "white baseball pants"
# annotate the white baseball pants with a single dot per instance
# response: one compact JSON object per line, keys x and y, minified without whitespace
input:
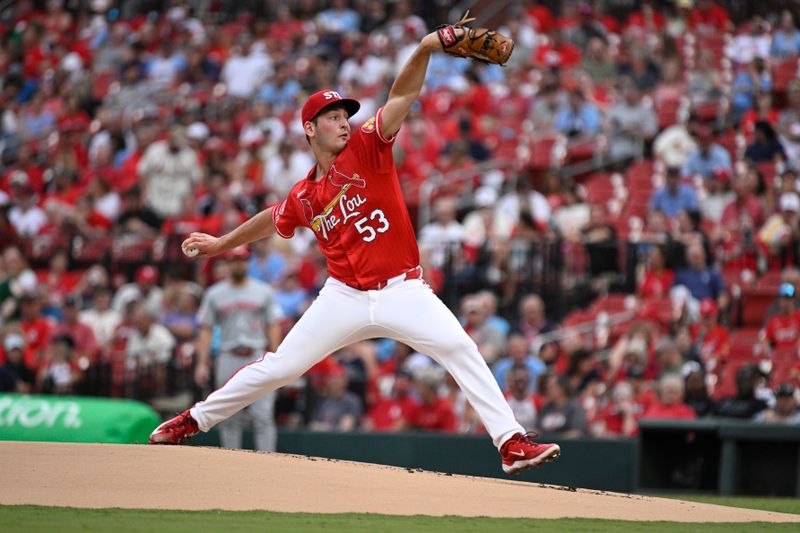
{"x":407,"y":311}
{"x":262,"y":411}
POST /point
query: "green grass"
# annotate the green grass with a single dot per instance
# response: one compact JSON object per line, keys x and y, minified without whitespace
{"x":31,"y":519}
{"x":778,"y":505}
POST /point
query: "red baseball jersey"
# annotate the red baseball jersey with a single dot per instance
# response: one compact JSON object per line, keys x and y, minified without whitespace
{"x":783,"y":331}
{"x":357,"y":212}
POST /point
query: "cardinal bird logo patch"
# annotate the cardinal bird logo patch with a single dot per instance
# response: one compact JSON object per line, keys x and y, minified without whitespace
{"x":341,"y":180}
{"x":368,"y":126}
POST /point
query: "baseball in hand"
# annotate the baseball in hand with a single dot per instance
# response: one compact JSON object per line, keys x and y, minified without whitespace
{"x":190,"y":252}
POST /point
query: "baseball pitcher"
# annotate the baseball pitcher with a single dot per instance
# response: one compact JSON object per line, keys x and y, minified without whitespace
{"x":352,"y":201}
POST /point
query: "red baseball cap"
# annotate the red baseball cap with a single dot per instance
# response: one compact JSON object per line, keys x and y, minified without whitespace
{"x":322,"y":99}
{"x":146,"y":273}
{"x":708,"y":307}
{"x":239,"y":253}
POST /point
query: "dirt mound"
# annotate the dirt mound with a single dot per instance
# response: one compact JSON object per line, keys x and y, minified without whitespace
{"x":183,"y":477}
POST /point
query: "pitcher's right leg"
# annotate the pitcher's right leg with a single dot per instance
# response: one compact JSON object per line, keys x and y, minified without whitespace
{"x":339,"y":316}
{"x":335,"y":317}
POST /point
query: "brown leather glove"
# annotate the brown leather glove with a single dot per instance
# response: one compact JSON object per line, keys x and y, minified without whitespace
{"x":481,"y":44}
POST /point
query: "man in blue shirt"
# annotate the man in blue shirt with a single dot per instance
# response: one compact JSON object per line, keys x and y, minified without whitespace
{"x":700,"y":280}
{"x":674,"y":196}
{"x":518,"y":350}
{"x":710,"y":159}
{"x":577,"y":116}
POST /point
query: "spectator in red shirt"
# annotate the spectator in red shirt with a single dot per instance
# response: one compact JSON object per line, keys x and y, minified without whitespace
{"x":745,"y":212}
{"x":86,"y":349}
{"x":670,"y":403}
{"x":644,"y":21}
{"x":36,"y":328}
{"x":393,"y":413}
{"x":433,"y":413}
{"x":618,"y":418}
{"x":542,"y":17}
{"x":711,"y":339}
{"x":57,"y":279}
{"x":707,"y":17}
{"x":557,"y":53}
{"x":643,"y":395}
{"x":657,"y":279}
{"x":783,"y":329}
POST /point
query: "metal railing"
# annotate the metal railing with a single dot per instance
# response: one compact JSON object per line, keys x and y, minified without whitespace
{"x":602,"y":321}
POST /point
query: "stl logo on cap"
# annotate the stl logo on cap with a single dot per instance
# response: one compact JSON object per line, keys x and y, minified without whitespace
{"x":318,"y":101}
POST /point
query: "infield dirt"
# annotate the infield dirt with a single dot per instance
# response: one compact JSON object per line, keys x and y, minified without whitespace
{"x":192,"y":478}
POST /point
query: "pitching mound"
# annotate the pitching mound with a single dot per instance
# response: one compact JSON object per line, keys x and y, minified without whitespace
{"x":183,"y":477}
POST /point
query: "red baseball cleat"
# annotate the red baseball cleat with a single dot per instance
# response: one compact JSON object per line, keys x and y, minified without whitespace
{"x":175,"y":431}
{"x":520,"y":453}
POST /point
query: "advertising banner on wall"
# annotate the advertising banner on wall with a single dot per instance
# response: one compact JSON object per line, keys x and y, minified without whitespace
{"x":75,"y":419}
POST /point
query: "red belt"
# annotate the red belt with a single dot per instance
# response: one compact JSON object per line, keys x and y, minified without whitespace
{"x":414,"y":273}
{"x":242,"y":351}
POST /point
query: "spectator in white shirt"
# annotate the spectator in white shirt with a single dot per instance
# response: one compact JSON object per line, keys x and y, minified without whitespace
{"x":363,"y":67}
{"x":166,"y":66}
{"x":755,"y":43}
{"x":444,"y":235}
{"x":170,"y":170}
{"x":245,"y":70}
{"x":101,"y":318}
{"x":285,"y":169}
{"x":26,"y":217}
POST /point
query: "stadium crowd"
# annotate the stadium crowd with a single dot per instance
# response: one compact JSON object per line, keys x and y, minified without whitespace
{"x":615,"y":215}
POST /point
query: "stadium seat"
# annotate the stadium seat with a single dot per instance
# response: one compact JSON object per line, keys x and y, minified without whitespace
{"x":769,"y":282}
{"x":784,"y":73}
{"x":542,"y":152}
{"x":768,"y":170}
{"x":577,"y":317}
{"x":785,"y":371}
{"x":613,"y":303}
{"x":639,"y":171}
{"x":658,"y":309}
{"x":754,"y":307}
{"x":668,"y":113}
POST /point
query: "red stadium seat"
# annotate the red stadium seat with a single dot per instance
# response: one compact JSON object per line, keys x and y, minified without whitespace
{"x":727,"y":139}
{"x":769,"y":282}
{"x":768,"y":170}
{"x":668,"y":113}
{"x":613,"y":303}
{"x":786,"y":371}
{"x":599,"y":194}
{"x":101,"y":82}
{"x":754,"y":307}
{"x":784,"y":73}
{"x":577,"y":317}
{"x":91,"y":251}
{"x":743,"y":341}
{"x":541,"y":152}
{"x":639,"y":171}
{"x":582,"y":150}
{"x":658,"y":309}
{"x":598,"y":179}
{"x":707,"y":112}
{"x":726,"y":382}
